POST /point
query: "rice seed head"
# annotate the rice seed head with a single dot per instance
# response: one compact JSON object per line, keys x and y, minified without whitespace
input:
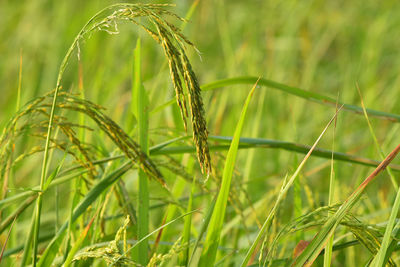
{"x":173,"y":42}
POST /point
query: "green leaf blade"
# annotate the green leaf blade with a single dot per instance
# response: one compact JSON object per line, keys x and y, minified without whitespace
{"x":213,"y":235}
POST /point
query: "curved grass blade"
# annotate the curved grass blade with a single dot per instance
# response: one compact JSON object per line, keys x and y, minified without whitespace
{"x":319,"y":241}
{"x":21,"y":208}
{"x":379,"y":259}
{"x":315,"y":97}
{"x":247,"y":143}
{"x":217,"y":219}
{"x":284,"y":189}
{"x":34,"y":190}
{"x":6,"y":241}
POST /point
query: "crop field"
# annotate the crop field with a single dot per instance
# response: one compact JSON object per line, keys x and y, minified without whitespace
{"x":199,"y":133}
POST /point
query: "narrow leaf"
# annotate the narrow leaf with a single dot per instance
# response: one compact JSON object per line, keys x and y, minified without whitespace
{"x":285,"y":188}
{"x":319,"y":241}
{"x":217,"y":219}
{"x":308,"y":95}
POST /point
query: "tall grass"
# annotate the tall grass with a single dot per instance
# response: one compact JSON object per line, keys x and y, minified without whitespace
{"x":218,"y":214}
{"x":100,"y":165}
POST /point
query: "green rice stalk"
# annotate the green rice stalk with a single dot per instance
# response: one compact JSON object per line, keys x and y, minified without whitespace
{"x":173,"y":43}
{"x":209,"y":253}
{"x":141,"y":107}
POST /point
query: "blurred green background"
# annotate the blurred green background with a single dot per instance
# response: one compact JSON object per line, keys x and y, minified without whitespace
{"x":321,"y":46}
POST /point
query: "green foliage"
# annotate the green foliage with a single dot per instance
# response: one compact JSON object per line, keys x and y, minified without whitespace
{"x":218,"y":214}
{"x":100,"y":165}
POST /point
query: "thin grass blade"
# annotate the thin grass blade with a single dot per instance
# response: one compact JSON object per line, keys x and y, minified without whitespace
{"x":217,"y":219}
{"x":319,"y":241}
{"x":312,"y":96}
{"x":382,"y":256}
{"x":332,"y":181}
{"x":285,"y":188}
{"x":6,"y":241}
{"x":203,"y":227}
{"x":247,"y":143}
{"x":184,"y":260}
{"x":378,"y":147}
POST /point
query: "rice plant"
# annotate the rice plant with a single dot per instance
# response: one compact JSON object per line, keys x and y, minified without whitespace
{"x":199,"y":133}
